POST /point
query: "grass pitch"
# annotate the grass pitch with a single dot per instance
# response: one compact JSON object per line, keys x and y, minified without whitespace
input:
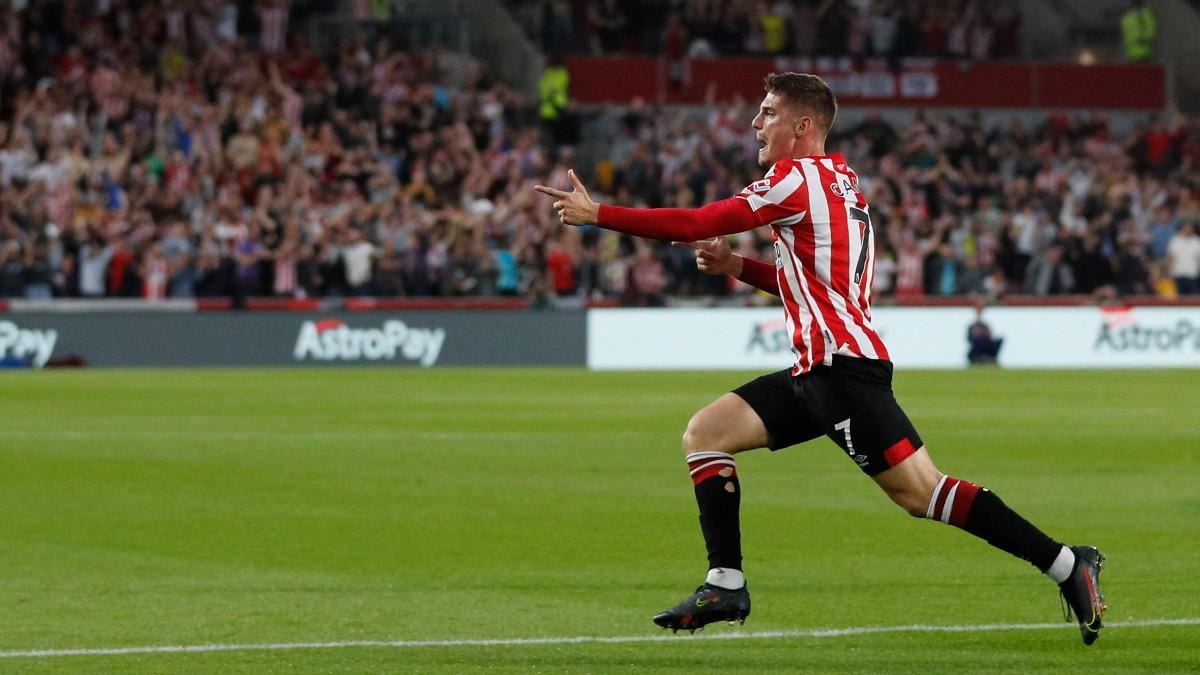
{"x":177,"y":507}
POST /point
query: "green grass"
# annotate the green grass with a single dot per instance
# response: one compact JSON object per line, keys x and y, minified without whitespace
{"x":263,"y":506}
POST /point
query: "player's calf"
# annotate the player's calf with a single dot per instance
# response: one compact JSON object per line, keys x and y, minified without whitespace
{"x":718,"y":496}
{"x":979,"y":511}
{"x":913,"y":502}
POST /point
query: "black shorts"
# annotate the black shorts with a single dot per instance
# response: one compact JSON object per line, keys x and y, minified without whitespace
{"x":850,"y":401}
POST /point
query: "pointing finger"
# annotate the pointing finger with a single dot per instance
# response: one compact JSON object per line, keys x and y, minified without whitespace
{"x":551,"y":191}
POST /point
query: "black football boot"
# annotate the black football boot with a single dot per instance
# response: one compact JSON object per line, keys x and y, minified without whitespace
{"x":1081,"y":592}
{"x":708,"y":604}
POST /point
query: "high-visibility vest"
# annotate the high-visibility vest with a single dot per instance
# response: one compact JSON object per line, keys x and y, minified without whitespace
{"x":1138,"y":30}
{"x":553,"y":89}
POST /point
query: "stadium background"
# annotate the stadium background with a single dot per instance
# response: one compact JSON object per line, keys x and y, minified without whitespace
{"x":202,"y":183}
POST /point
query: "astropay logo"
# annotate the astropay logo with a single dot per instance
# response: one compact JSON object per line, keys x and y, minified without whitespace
{"x":25,"y":343}
{"x":770,"y":337}
{"x":333,"y":340}
{"x":1120,"y":331}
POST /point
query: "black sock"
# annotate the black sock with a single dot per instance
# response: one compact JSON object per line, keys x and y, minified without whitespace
{"x":980,"y":512}
{"x":718,"y":494}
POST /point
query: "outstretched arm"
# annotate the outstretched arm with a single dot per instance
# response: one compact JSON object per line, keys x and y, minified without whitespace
{"x":727,"y":216}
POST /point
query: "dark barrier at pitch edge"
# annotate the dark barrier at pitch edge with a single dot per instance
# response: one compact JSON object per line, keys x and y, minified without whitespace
{"x":409,"y":338}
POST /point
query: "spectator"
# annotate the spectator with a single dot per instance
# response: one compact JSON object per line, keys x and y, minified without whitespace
{"x":646,"y":278}
{"x":155,"y":273}
{"x":1139,"y":27}
{"x":357,"y":256}
{"x":773,"y":22}
{"x":12,"y":271}
{"x":1183,"y":259}
{"x":561,"y":264}
{"x":38,"y":273}
{"x":1163,"y":229}
{"x":555,"y":97}
{"x":1132,"y":269}
{"x":982,"y":347}
{"x":804,"y":28}
{"x":884,"y":26}
{"x":1049,"y":275}
{"x":94,"y":256}
{"x":507,"y":274}
{"x":1091,"y":268}
{"x":609,"y":24}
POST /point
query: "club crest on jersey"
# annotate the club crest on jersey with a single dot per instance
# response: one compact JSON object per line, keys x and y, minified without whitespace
{"x":761,"y":186}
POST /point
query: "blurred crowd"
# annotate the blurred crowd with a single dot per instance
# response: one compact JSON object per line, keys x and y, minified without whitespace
{"x":959,"y":207}
{"x":705,"y":28}
{"x":150,"y":151}
{"x":141,"y":157}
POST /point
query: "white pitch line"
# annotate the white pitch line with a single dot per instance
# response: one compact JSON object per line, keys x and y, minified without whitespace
{"x":581,"y":639}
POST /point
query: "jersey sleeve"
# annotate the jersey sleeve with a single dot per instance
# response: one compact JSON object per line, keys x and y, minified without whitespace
{"x":778,"y":195}
{"x":759,"y":275}
{"x":728,"y":216}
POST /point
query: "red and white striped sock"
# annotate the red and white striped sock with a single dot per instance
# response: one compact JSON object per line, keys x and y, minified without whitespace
{"x":952,"y":500}
{"x":979,"y":511}
{"x":705,"y":465}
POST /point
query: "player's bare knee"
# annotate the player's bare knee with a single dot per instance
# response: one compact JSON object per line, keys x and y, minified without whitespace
{"x":691,"y":438}
{"x":697,"y":437}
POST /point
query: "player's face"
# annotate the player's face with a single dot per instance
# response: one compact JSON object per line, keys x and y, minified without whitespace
{"x":775,"y":126}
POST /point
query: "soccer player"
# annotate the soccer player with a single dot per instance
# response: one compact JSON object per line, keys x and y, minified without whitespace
{"x":840,"y":383}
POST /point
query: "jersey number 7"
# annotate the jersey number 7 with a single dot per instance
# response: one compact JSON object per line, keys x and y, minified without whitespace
{"x":861,"y":216}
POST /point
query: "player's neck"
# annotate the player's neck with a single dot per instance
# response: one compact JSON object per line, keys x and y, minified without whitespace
{"x":810,"y":149}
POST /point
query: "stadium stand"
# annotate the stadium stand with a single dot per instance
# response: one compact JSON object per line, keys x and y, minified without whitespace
{"x":728,"y":27}
{"x":207,"y":165}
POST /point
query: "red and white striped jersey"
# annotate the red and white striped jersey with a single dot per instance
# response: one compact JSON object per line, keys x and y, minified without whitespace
{"x":824,"y":256}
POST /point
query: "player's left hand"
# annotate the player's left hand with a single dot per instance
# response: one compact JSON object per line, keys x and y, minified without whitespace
{"x":573,"y":208}
{"x":714,"y":256}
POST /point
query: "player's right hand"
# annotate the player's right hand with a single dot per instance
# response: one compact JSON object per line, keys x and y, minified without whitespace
{"x":573,"y":208}
{"x":714,"y":256}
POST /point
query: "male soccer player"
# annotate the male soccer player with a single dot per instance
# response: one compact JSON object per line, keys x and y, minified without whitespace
{"x":840,"y":383}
